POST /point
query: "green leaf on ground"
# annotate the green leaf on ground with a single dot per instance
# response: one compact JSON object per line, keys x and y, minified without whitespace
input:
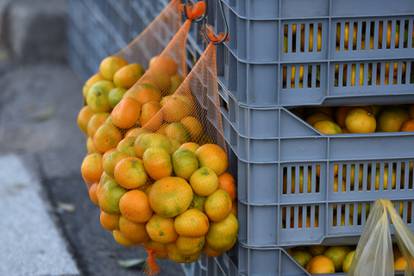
{"x":132,"y":263}
{"x":44,"y":114}
{"x":65,"y":207}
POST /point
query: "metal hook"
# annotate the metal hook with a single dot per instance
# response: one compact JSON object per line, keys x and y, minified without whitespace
{"x":226,"y":26}
{"x":186,"y":3}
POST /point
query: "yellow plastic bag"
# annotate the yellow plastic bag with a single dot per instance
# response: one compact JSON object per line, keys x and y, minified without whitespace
{"x":374,"y":254}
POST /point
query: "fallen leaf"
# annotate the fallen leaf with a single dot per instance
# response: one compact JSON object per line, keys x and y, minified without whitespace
{"x":3,"y":55}
{"x":44,"y":114}
{"x":132,"y":263}
{"x":65,"y":207}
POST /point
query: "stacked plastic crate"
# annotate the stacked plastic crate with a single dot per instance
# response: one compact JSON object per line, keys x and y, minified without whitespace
{"x":295,"y":53}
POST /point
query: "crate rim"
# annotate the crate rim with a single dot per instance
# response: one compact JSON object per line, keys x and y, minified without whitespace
{"x":321,"y":135}
{"x":329,"y":60}
{"x":252,"y":18}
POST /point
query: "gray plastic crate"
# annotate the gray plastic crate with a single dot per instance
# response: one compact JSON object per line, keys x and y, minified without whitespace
{"x":269,"y":227}
{"x":273,"y":10}
{"x":307,"y":187}
{"x":252,"y":261}
{"x":318,"y":190}
{"x":277,"y":135}
{"x":274,"y":57}
{"x":207,"y":266}
{"x":301,"y":223}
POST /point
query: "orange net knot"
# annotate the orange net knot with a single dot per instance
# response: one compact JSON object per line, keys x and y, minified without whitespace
{"x":196,"y":11}
{"x":216,"y":38}
{"x":152,"y":267}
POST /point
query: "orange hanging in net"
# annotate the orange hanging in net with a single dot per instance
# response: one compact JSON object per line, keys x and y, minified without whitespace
{"x":192,"y":112}
{"x":165,"y":73}
{"x":117,"y":73}
{"x":152,"y":267}
{"x":183,"y":150}
{"x":157,"y":157}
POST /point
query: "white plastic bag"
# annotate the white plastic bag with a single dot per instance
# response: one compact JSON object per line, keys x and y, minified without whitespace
{"x":374,"y":254}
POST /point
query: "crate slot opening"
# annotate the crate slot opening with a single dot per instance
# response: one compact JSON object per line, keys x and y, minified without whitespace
{"x":302,"y":37}
{"x":374,"y":34}
{"x":372,"y":176}
{"x":301,"y":179}
{"x":300,"y":217}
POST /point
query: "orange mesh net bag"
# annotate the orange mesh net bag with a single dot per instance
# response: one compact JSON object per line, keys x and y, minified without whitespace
{"x":183,"y":151}
{"x":102,"y":91}
{"x":195,"y":104}
{"x":157,"y":161}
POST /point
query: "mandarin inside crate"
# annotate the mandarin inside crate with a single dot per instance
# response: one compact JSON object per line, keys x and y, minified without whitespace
{"x":287,"y":53}
{"x":293,"y":202}
{"x":306,"y":187}
{"x":267,"y":229}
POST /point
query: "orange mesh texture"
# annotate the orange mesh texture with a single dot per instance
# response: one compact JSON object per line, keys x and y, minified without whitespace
{"x":176,"y":51}
{"x":154,"y":38}
{"x":152,"y":267}
{"x":196,"y":11}
{"x":195,"y":101}
{"x":215,"y":38}
{"x":190,"y":100}
{"x":163,"y":72}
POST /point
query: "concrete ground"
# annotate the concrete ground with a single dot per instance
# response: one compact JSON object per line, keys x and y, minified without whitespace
{"x":31,"y":245}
